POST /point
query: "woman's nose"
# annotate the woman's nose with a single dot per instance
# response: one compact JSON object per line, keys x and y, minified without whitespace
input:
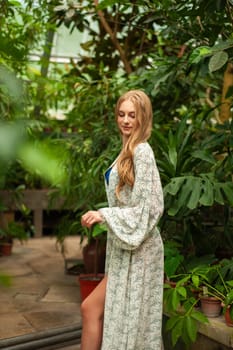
{"x":126,"y":120}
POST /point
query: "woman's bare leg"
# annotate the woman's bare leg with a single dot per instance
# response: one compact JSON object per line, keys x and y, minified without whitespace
{"x":92,"y":310}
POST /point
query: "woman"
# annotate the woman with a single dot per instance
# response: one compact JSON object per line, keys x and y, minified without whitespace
{"x":124,"y":312}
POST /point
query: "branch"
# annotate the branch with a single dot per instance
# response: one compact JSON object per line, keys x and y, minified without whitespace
{"x":114,"y":39}
{"x":211,"y":104}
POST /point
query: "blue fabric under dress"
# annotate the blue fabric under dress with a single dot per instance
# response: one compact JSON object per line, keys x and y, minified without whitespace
{"x":107,"y":174}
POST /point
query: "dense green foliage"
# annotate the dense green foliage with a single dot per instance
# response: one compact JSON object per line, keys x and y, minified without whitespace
{"x":166,"y":48}
{"x":176,"y":51}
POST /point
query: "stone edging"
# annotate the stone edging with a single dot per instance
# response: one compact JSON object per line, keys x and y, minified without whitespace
{"x":50,"y":339}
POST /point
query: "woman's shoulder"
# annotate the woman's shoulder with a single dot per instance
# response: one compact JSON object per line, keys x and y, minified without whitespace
{"x":143,"y":148}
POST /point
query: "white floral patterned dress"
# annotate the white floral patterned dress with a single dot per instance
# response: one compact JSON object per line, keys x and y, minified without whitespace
{"x":134,"y":261}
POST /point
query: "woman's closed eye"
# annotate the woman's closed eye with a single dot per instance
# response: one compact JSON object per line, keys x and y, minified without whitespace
{"x":130,"y":115}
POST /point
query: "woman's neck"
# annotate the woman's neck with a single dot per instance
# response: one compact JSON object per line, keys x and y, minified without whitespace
{"x":124,"y":141}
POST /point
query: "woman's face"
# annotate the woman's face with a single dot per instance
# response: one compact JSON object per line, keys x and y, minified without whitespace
{"x":126,"y":119}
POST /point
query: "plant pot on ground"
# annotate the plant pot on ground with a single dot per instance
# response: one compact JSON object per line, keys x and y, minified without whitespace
{"x":6,"y":247}
{"x":8,"y":234}
{"x":94,"y":260}
{"x":88,"y":282}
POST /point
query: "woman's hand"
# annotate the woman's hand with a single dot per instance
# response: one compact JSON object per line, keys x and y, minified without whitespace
{"x":90,"y":218}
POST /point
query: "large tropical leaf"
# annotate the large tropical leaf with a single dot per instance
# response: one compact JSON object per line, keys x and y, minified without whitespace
{"x":195,"y":194}
{"x":193,"y":191}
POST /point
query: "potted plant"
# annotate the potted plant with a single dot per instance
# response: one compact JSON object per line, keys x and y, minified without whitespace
{"x":90,"y":269}
{"x":180,"y":305}
{"x":214,"y":282}
{"x":220,"y":286}
{"x":13,"y":231}
{"x":181,"y":301}
{"x":183,"y":317}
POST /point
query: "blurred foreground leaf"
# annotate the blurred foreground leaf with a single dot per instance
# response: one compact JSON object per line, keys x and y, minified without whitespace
{"x":44,"y":159}
{"x":5,"y":280}
{"x":11,"y":137}
{"x":12,"y":95}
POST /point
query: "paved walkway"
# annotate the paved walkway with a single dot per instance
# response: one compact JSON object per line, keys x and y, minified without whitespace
{"x":43,"y":298}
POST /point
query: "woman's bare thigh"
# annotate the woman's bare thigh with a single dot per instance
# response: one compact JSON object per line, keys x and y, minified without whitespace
{"x":95,"y":301}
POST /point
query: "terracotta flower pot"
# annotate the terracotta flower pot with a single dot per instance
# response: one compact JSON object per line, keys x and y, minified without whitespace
{"x":5,"y":248}
{"x":210,"y":306}
{"x":88,"y":282}
{"x":228,"y":319}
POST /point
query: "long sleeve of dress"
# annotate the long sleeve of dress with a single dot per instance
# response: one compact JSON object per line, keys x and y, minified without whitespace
{"x":132,"y":219}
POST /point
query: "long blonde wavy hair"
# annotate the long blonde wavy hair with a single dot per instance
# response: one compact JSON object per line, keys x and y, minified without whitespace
{"x":141,"y":134}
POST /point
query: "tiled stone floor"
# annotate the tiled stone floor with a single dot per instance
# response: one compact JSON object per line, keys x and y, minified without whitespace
{"x":42,"y":296}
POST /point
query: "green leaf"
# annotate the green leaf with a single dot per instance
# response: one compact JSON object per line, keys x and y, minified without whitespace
{"x":171,"y":264}
{"x":191,"y":326}
{"x":200,"y":317}
{"x":183,"y":196}
{"x":168,"y":300}
{"x":182,"y":281}
{"x":177,"y":331}
{"x":99,"y":229}
{"x":173,"y":210}
{"x":174,"y":186}
{"x":87,"y":45}
{"x":207,"y":197}
{"x":204,"y":155}
{"x":185,"y":141}
{"x":195,"y":280}
{"x":15,"y":3}
{"x":195,"y":195}
{"x":228,"y":191}
{"x":218,"y":197}
{"x":11,"y":138}
{"x":182,"y":291}
{"x":172,"y":150}
{"x":198,"y":54}
{"x":45,"y":160}
{"x":159,"y":81}
{"x":175,"y":299}
{"x":171,"y":322}
{"x":218,"y":60}
{"x":182,"y":128}
{"x":222,"y":45}
{"x":229,"y":298}
{"x":105,"y":3}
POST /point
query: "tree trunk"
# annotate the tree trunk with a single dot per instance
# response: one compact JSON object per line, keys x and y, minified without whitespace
{"x":225,"y":110}
{"x":45,"y":60}
{"x":113,"y":37}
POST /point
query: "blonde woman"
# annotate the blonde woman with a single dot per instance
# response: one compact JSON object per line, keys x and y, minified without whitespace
{"x":124,"y":312}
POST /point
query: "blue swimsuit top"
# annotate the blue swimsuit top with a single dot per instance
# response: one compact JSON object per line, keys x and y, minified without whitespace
{"x":107,"y":174}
